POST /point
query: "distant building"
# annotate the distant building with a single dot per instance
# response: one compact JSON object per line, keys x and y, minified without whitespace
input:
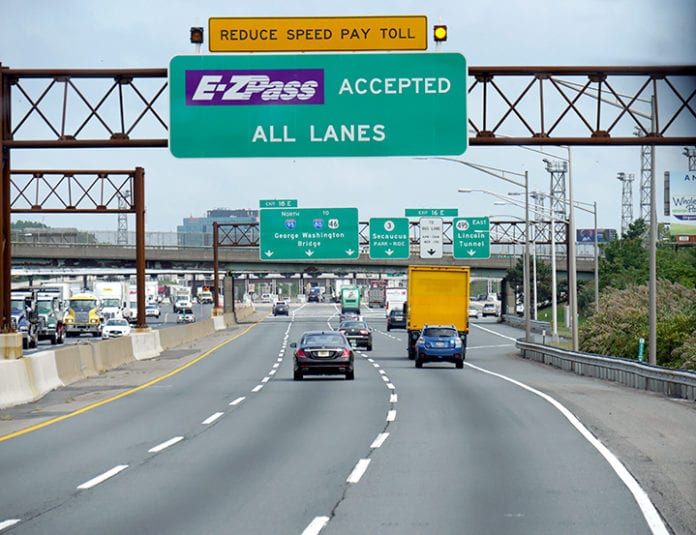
{"x":198,"y":231}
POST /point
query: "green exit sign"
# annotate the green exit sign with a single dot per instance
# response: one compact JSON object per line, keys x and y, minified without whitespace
{"x":432,"y":212}
{"x":389,"y":238}
{"x":278,"y":203}
{"x":471,"y":237}
{"x":309,"y":234}
{"x":318,"y":105}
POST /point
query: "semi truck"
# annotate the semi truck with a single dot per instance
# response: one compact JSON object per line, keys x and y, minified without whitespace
{"x":51,"y":309}
{"x":437,"y":295}
{"x":84,"y":315}
{"x":350,"y":300}
{"x":394,"y":299}
{"x":25,"y":316}
{"x":113,"y":296}
{"x":377,"y":294}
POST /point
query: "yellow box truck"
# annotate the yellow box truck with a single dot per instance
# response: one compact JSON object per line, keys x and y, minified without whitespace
{"x":437,"y":296}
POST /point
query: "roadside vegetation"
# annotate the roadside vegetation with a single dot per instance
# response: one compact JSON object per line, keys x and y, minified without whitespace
{"x":622,"y":319}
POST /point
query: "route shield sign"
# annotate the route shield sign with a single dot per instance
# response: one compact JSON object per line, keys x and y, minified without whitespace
{"x":430,"y":237}
{"x":308,"y":234}
{"x":471,"y":237}
{"x":389,"y":238}
{"x":318,"y":105}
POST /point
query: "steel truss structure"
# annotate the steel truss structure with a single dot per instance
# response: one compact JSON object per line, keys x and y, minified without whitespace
{"x":110,"y":108}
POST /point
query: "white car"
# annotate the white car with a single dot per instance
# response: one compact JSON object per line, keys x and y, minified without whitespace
{"x":186,"y":316}
{"x":115,"y":328}
{"x":152,"y":309}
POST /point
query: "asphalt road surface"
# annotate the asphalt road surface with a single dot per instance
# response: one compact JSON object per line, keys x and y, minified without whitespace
{"x":216,"y":437}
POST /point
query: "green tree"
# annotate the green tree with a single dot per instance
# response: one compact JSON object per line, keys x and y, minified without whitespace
{"x":21,"y":225}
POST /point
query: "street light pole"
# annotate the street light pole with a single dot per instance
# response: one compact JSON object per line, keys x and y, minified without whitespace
{"x":525,"y":266}
{"x":525,"y":185}
{"x":572,"y":275}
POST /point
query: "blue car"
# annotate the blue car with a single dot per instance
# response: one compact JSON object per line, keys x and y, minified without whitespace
{"x":439,"y":343}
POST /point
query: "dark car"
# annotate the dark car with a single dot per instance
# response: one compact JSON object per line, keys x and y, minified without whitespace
{"x":439,"y":343}
{"x":281,"y":308}
{"x":358,"y":333}
{"x":323,"y":353}
{"x":396,"y":320}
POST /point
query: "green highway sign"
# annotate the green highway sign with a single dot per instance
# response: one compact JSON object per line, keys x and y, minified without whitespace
{"x":278,"y":203}
{"x":318,"y":105}
{"x":389,"y":238}
{"x":471,"y":237}
{"x":308,"y":234}
{"x":432,"y":212}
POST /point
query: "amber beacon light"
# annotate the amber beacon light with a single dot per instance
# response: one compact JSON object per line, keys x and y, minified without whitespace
{"x":440,"y":33}
{"x":196,"y":35}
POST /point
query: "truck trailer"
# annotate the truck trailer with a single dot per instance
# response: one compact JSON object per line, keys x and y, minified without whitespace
{"x":437,"y":295}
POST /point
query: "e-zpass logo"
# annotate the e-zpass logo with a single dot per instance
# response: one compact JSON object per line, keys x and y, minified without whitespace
{"x":254,"y":87}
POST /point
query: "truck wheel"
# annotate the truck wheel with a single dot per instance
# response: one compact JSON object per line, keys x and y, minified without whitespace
{"x":54,"y":339}
{"x":419,"y":363}
{"x":25,"y":343}
{"x":411,"y":354}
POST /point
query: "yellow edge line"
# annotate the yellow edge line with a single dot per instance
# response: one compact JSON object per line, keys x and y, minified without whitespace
{"x":123,"y":394}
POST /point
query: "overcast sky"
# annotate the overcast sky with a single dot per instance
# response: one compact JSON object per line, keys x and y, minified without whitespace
{"x":75,"y":34}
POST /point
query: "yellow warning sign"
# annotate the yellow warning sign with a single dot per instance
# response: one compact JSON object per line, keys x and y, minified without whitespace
{"x":317,"y":34}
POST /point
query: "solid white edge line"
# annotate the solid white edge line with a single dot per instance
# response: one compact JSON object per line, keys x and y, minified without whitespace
{"x":103,"y":477}
{"x":165,"y":445}
{"x":316,"y":525}
{"x":237,"y":401}
{"x":379,"y":440}
{"x":210,"y":419}
{"x":9,"y":522}
{"x":652,"y":517}
{"x":358,"y":471}
{"x":391,"y":416}
{"x":257,"y":388}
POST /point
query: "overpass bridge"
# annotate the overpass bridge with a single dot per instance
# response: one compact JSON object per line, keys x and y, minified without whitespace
{"x":238,"y":252}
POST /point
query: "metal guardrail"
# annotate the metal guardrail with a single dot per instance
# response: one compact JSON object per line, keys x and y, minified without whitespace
{"x":669,"y":382}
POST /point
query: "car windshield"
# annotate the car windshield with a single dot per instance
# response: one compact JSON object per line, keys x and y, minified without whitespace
{"x":353,"y":325}
{"x":117,"y":322}
{"x":323,"y":340}
{"x":439,"y":332}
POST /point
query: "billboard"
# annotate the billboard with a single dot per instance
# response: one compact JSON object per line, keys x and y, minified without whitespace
{"x":587,"y":235}
{"x":682,"y":203}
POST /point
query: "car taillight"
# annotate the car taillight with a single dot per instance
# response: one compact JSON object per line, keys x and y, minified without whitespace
{"x":300,"y":353}
{"x":346,"y":353}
